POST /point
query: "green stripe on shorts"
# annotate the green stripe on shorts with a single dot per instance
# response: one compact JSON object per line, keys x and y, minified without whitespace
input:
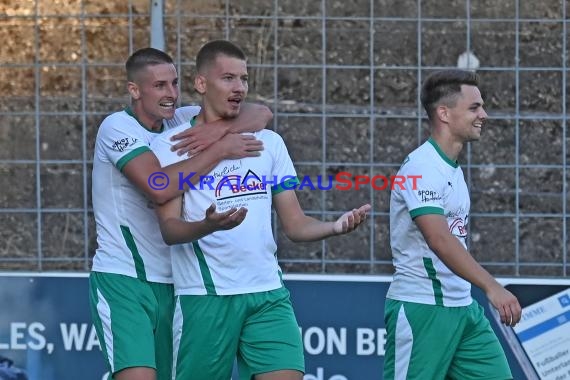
{"x":437,"y":342}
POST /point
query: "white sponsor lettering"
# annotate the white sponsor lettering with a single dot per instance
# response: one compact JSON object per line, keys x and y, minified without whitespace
{"x":317,"y":340}
{"x":75,"y":337}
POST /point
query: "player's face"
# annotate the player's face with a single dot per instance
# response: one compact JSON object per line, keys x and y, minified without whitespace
{"x":157,"y":94}
{"x":467,"y":117}
{"x":226,"y":87}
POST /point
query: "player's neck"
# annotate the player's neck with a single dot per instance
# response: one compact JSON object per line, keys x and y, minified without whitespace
{"x":208,"y":116}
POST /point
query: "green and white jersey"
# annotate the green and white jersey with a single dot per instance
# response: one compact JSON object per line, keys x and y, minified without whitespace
{"x":128,"y":238}
{"x":420,"y":276}
{"x":243,"y":259}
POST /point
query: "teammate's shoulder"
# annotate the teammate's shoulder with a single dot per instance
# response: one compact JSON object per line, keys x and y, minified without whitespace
{"x":174,"y":130}
{"x":118,"y":116}
{"x":422,"y":154}
{"x":120,"y":122}
{"x":189,"y":109}
{"x":417,"y":161}
{"x":165,"y":137}
{"x":186,"y":112}
{"x":413,"y":158}
{"x":268,"y":135}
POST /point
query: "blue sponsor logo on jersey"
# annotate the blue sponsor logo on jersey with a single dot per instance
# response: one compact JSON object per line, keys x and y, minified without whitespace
{"x":234,"y":186}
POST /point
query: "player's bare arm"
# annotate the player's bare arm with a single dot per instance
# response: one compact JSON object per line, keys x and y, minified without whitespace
{"x":300,"y":227}
{"x":175,"y":230}
{"x":252,"y":118}
{"x":448,"y":248}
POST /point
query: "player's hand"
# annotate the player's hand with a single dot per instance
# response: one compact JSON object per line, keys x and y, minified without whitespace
{"x":506,"y":304}
{"x":195,"y":139}
{"x":224,"y":220}
{"x":350,"y":220}
{"x":236,"y":146}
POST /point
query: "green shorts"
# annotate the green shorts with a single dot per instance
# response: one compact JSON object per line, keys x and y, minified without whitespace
{"x":436,"y":342}
{"x":260,"y":328}
{"x":133,"y":320}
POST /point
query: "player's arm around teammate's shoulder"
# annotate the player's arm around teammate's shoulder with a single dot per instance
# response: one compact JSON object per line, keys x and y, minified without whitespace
{"x":252,"y":118}
{"x":141,"y":169}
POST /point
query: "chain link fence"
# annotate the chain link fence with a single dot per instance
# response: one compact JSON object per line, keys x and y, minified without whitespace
{"x":342,"y":79}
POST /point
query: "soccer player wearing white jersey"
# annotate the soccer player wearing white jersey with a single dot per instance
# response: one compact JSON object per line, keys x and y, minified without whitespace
{"x":435,"y":330}
{"x":131,"y":291}
{"x":230,"y":299}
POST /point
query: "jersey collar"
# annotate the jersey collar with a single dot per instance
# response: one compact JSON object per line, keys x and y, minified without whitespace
{"x":448,"y":160}
{"x":130,"y":112}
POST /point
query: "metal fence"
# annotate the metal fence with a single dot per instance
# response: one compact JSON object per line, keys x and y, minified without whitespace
{"x":342,"y":79}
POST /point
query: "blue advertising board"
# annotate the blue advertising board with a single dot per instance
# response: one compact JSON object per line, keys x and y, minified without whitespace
{"x":46,"y":329}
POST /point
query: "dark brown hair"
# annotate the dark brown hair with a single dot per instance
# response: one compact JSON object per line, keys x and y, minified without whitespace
{"x":444,"y":87}
{"x":209,"y":52}
{"x":142,"y":58}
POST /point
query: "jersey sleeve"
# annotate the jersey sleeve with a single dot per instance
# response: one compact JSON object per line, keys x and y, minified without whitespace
{"x":119,"y":140}
{"x":284,"y":173}
{"x":421,"y":188}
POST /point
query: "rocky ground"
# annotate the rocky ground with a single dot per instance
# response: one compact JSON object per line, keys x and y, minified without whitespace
{"x":368,"y":91}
